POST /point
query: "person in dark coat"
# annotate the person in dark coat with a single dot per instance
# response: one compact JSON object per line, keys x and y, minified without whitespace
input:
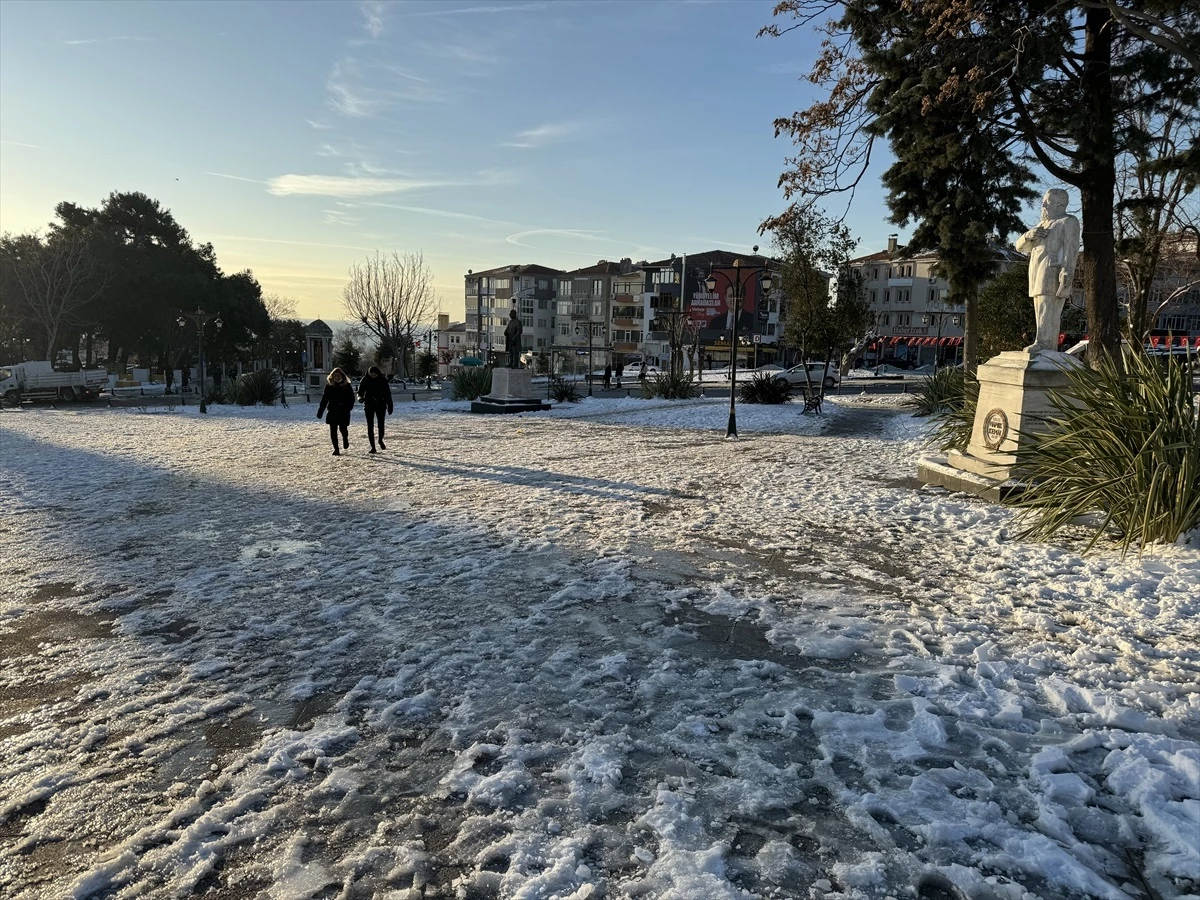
{"x":608,"y":375}
{"x":376,"y":397}
{"x":339,"y":399}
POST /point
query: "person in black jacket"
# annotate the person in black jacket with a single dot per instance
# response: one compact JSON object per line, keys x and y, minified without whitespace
{"x":376,"y":397}
{"x":339,"y":398}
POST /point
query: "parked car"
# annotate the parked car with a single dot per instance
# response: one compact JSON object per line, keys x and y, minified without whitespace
{"x":815,"y":373}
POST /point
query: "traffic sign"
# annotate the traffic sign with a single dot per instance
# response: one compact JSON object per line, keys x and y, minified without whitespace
{"x":758,"y":339}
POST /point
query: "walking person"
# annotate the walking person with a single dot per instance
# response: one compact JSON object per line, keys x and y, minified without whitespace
{"x":608,"y":376}
{"x":339,"y":399}
{"x":620,"y":372}
{"x":376,"y":396}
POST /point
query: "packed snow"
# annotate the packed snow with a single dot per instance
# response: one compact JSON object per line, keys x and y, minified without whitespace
{"x":596,"y":652}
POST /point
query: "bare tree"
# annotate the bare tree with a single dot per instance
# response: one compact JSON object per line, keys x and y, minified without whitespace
{"x":391,"y":296}
{"x":51,"y":279}
{"x":279,"y":307}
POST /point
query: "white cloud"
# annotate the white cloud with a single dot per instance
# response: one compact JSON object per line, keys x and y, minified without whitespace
{"x":340,"y":186}
{"x":550,"y":133}
{"x":21,"y":144}
{"x":372,"y":12}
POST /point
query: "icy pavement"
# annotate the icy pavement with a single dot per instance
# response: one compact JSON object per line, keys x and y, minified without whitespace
{"x":594,"y":653}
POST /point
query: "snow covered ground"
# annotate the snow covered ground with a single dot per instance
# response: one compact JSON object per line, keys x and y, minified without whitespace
{"x":598,"y":652}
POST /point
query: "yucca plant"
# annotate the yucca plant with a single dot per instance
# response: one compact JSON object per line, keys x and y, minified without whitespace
{"x":669,"y":387}
{"x":471,"y":383}
{"x":949,"y":398}
{"x":564,"y":391}
{"x":765,"y":389}
{"x":1124,"y":442}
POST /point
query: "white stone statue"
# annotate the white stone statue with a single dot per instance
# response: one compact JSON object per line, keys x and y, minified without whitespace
{"x":1053,"y":247}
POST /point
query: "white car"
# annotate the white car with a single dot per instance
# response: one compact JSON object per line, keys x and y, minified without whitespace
{"x":815,"y":373}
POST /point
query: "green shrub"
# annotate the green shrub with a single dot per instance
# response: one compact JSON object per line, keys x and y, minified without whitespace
{"x":1124,"y":442}
{"x":471,"y":383}
{"x":766,"y":389}
{"x":252,"y":388}
{"x":949,"y":397}
{"x":669,"y":387}
{"x":564,"y":391}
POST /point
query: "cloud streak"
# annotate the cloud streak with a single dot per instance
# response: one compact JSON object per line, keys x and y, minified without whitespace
{"x":21,"y":144}
{"x":106,"y":40}
{"x":342,"y":186}
{"x":235,"y":177}
{"x":550,"y":133}
{"x":481,"y":10}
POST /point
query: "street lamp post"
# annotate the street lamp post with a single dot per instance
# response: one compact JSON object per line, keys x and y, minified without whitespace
{"x":201,"y":318}
{"x":742,"y":275}
{"x":941,"y":317}
{"x":590,"y":332}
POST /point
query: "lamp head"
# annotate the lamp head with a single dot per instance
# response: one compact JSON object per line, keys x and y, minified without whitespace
{"x":766,"y":282}
{"x":710,"y":283}
{"x":182,"y":321}
{"x":218,"y":323}
{"x":925,"y":319}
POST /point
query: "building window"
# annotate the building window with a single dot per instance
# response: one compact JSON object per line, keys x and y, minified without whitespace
{"x":564,"y":288}
{"x":502,"y":283}
{"x":541,"y":342}
{"x":935,"y":296}
{"x":564,"y":328}
{"x":875,"y":274}
{"x":543,"y":284}
{"x":874,"y":297}
{"x":887,"y":296}
{"x":598,"y":309}
{"x":541,"y":323}
{"x":541,"y":302}
{"x":598,"y":287}
{"x":886,"y":319}
{"x":770,"y":329}
{"x":904,"y":295}
{"x":903,"y":318}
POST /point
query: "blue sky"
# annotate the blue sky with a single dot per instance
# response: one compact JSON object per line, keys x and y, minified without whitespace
{"x":298,"y":137}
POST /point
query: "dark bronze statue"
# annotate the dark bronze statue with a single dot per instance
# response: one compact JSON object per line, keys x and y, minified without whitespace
{"x":512,"y":340}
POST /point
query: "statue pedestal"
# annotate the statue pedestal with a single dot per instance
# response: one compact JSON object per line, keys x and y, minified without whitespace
{"x":1013,"y":402}
{"x":512,"y":392}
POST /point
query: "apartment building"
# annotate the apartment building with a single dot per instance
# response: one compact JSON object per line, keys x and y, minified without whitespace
{"x":490,"y":294}
{"x":676,"y":288}
{"x":585,"y":303}
{"x":913,"y":317}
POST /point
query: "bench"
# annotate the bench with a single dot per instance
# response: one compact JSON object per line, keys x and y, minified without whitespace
{"x":812,"y":398}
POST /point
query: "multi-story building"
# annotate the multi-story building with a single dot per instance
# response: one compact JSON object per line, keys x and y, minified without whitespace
{"x":530,"y":289}
{"x":913,"y":317}
{"x":676,"y":299}
{"x":585,"y":304}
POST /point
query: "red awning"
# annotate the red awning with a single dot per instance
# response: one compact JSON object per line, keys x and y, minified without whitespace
{"x":893,"y":342}
{"x":1154,"y":340}
{"x":956,"y":341}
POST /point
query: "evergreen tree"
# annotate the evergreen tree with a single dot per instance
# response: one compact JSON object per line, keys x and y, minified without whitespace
{"x":1056,"y":78}
{"x":346,"y":354}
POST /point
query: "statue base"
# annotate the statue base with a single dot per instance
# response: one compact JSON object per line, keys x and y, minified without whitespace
{"x":512,"y":392}
{"x":1013,"y":403}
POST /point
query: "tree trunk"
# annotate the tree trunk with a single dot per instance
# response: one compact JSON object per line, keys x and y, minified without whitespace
{"x":1097,"y":186}
{"x":88,"y":350}
{"x":970,"y":295}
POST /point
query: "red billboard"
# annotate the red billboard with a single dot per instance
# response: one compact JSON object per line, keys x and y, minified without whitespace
{"x":710,"y":309}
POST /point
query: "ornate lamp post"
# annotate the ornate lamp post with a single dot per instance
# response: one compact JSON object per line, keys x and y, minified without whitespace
{"x":201,"y":318}
{"x":955,"y":320}
{"x":742,"y":275}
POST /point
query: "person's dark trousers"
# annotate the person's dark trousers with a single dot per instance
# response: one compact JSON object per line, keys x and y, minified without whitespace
{"x":333,"y":435}
{"x":374,"y":415}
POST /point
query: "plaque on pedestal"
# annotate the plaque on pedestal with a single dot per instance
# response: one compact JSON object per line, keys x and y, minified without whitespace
{"x":512,"y":392}
{"x":1014,"y":402}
